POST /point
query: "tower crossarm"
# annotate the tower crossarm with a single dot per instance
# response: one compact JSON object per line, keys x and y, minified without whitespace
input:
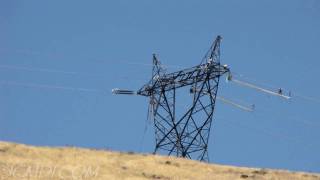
{"x":183,"y":78}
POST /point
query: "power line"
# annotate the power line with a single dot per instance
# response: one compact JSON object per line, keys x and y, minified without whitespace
{"x":266,"y":131}
{"x":239,"y":81}
{"x":305,"y":122}
{"x":283,"y":137}
{"x":48,"y":86}
{"x":227,"y":101}
{"x":36,"y":69}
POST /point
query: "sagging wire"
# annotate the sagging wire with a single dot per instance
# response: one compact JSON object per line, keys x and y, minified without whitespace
{"x":240,"y":76}
{"x":280,"y":92}
{"x":36,"y":69}
{"x":150,"y":65}
{"x":48,"y":86}
{"x":305,"y":122}
{"x":46,"y":70}
{"x":232,"y":103}
{"x":282,"y":137}
{"x":267,"y":132}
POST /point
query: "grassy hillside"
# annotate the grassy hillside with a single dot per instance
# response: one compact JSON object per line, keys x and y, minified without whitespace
{"x":19,"y":162}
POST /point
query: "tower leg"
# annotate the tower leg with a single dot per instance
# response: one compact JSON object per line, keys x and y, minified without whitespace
{"x":186,"y":136}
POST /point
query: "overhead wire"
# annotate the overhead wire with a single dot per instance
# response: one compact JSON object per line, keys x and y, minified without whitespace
{"x":36,"y":69}
{"x":26,"y":52}
{"x":282,"y":137}
{"x":150,"y":65}
{"x":14,"y":67}
{"x":238,"y":81}
{"x":268,"y":132}
{"x":251,"y":85}
{"x":307,"y":98}
{"x":32,"y":52}
{"x":298,"y":120}
{"x":146,"y":124}
{"x":47,"y":70}
{"x":48,"y":86}
{"x":242,"y":107}
{"x":13,"y":83}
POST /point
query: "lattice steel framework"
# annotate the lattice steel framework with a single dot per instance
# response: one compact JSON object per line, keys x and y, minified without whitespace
{"x":185,"y":134}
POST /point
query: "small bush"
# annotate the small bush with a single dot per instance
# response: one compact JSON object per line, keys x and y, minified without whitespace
{"x":260,"y":172}
{"x":3,"y":150}
{"x":244,"y":176}
{"x":154,"y":176}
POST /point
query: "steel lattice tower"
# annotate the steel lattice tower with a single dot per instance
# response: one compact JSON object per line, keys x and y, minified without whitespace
{"x":188,"y":135}
{"x":184,"y":132}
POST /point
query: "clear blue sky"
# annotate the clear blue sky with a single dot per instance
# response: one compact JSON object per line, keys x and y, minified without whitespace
{"x":50,"y":49}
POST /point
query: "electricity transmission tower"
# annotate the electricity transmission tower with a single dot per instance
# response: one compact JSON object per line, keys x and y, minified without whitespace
{"x":183,"y":131}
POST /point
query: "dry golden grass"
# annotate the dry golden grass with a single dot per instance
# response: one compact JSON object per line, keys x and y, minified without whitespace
{"x":18,"y":162}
